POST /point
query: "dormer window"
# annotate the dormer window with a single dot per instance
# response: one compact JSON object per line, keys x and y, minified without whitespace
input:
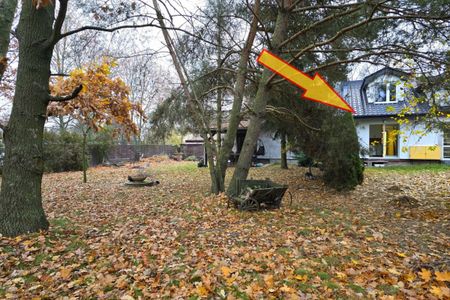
{"x":385,"y":92}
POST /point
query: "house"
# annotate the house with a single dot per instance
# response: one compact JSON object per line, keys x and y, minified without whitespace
{"x":268,"y":148}
{"x":376,"y":100}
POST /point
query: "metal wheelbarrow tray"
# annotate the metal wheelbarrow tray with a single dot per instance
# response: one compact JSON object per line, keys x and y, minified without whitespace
{"x":258,"y":194}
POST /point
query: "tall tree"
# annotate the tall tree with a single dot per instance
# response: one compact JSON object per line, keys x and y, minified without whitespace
{"x":337,"y":33}
{"x":38,"y":32}
{"x":104,"y":101}
{"x":260,"y":101}
{"x":217,"y":154}
{"x":20,"y":202}
{"x":209,"y":66}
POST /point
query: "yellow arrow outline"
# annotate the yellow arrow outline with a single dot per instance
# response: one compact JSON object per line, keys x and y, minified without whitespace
{"x":316,"y":88}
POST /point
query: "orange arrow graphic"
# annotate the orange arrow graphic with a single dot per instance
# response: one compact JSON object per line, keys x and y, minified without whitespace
{"x":316,"y":89}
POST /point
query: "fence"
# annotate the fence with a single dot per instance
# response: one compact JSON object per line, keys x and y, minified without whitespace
{"x":120,"y":153}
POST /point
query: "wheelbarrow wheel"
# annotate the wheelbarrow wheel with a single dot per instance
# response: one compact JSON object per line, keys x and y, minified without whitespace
{"x":252,"y":205}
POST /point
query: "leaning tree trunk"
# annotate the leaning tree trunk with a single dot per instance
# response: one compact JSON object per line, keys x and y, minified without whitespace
{"x":239,"y":88}
{"x":258,"y":107}
{"x":7,"y":11}
{"x":283,"y":153}
{"x":20,"y":198}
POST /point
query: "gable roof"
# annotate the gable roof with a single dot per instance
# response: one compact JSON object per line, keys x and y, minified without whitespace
{"x":385,"y":71}
{"x":353,"y":93}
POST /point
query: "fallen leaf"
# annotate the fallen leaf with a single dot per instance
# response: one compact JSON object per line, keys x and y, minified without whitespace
{"x":268,"y":279}
{"x":437,"y":291}
{"x":442,"y":276}
{"x":226,"y":272}
{"x":65,"y":273}
{"x":201,"y":290}
{"x":302,"y":278}
{"x":425,"y":275}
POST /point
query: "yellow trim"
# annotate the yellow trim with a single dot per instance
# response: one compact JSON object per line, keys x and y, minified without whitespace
{"x":425,"y":152}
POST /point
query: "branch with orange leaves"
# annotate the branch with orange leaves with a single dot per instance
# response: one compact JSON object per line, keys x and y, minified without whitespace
{"x":73,"y":95}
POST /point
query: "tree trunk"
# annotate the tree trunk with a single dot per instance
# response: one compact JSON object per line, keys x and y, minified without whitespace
{"x":251,"y":137}
{"x":7,"y":9}
{"x":20,"y":198}
{"x":235,"y":117}
{"x":84,"y":158}
{"x":284,"y":164}
{"x":258,"y":107}
{"x":211,"y":153}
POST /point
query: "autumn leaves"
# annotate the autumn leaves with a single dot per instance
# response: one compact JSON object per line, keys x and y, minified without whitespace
{"x":104,"y":100}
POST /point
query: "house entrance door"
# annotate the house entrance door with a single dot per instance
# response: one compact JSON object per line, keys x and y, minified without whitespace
{"x":383,"y":140}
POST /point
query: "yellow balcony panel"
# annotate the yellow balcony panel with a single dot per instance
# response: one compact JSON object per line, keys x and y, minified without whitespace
{"x":425,"y":152}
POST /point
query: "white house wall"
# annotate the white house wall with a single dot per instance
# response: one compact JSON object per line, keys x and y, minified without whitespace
{"x":413,"y":138}
{"x":272,"y":147}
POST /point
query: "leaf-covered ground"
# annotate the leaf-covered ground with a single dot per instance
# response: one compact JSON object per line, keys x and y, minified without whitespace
{"x":173,"y":241}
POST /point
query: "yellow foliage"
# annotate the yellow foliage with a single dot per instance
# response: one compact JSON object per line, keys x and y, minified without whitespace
{"x":102,"y":101}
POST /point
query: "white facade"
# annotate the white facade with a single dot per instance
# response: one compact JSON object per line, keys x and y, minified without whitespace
{"x":272,"y":148}
{"x":409,"y":136}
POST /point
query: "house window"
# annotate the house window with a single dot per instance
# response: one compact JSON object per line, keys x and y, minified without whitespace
{"x":383,"y":140}
{"x":376,"y":140}
{"x":447,"y":143}
{"x":385,"y":92}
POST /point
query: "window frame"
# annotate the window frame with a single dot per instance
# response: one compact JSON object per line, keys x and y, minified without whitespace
{"x":383,"y":141}
{"x":387,"y":86}
{"x":444,"y":145}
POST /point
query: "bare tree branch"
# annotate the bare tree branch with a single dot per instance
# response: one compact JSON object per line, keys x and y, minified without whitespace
{"x":286,"y":112}
{"x":74,"y":94}
{"x":56,"y":35}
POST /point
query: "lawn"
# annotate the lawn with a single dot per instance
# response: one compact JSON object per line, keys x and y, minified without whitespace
{"x":110,"y":241}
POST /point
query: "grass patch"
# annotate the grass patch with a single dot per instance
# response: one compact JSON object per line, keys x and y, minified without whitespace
{"x":7,"y":249}
{"x":413,"y":168}
{"x":61,"y":223}
{"x":239,"y":294}
{"x":356,"y":288}
{"x":332,"y":261}
{"x":323,"y":275}
{"x":184,"y":167}
{"x":283,"y":251}
{"x":305,"y":287}
{"x":138,"y":293}
{"x":302,"y":272}
{"x":29,"y":279}
{"x":388,"y":289}
{"x":181,"y":252}
{"x":40,"y":258}
{"x":305,"y":232}
{"x":331,"y":285}
{"x":76,"y":244}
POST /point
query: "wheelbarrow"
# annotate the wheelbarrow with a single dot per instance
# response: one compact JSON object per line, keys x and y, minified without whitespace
{"x":254,"y":195}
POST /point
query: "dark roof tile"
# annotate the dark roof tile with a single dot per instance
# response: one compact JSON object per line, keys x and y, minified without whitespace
{"x":351,"y":92}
